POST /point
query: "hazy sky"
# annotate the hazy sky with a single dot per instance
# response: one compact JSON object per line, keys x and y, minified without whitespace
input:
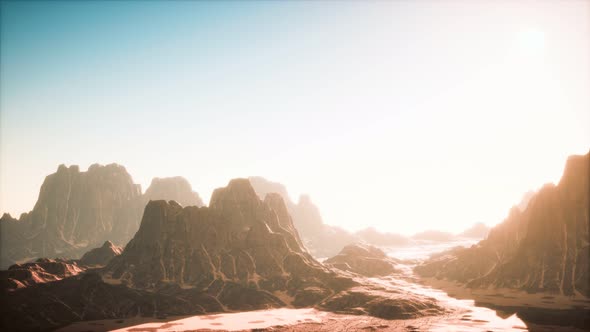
{"x":397,"y":114}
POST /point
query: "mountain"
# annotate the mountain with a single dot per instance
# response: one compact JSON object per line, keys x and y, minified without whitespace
{"x":101,"y":256}
{"x":436,"y":236}
{"x":239,"y":253}
{"x":173,"y":188}
{"x":238,"y":244}
{"x":363,"y":259}
{"x":477,"y":231}
{"x":375,"y":237}
{"x":543,"y":248}
{"x":77,"y":210}
{"x":321,"y":239}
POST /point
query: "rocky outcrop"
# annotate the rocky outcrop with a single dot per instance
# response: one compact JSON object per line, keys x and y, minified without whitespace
{"x":321,"y":239}
{"x":75,"y":211}
{"x":544,"y":248}
{"x":174,"y":188}
{"x":237,"y":244}
{"x":101,"y":256}
{"x":477,"y":231}
{"x":47,"y":306}
{"x":362,"y":259}
{"x":42,"y":270}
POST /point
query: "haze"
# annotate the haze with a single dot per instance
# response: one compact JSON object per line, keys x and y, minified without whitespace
{"x":404,"y":116}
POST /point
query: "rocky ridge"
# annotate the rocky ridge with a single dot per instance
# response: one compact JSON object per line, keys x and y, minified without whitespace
{"x":80,"y":210}
{"x":240,"y":253}
{"x":363,"y":259}
{"x":101,"y":256}
{"x":543,"y":248}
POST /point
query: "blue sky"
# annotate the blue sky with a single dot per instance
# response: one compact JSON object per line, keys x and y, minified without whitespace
{"x":367,"y":106}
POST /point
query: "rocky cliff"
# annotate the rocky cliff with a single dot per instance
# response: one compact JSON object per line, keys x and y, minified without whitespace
{"x":237,"y":243}
{"x":77,"y":210}
{"x":544,"y":248}
{"x":173,"y":188}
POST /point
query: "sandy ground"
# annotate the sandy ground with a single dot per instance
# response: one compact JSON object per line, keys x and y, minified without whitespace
{"x":300,"y":320}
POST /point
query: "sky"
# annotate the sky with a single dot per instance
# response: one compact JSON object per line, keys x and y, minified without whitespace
{"x":400,"y":115}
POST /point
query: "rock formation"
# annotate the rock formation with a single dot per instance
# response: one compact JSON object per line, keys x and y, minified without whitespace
{"x":238,"y":243}
{"x":101,"y":256}
{"x":477,"y":231}
{"x":544,"y":248}
{"x":77,"y":210}
{"x":240,"y":253}
{"x":174,"y":188}
{"x":42,"y":270}
{"x":321,"y":239}
{"x":362,"y":259}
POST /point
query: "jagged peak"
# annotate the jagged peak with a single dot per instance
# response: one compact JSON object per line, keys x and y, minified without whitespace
{"x":238,"y":190}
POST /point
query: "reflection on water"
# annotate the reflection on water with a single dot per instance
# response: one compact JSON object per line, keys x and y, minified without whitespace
{"x":466,"y":316}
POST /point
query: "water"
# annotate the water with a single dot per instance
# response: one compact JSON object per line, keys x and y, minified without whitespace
{"x":421,"y":250}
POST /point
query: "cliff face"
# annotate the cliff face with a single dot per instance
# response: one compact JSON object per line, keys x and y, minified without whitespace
{"x":174,"y":188}
{"x":75,"y":210}
{"x":239,"y":244}
{"x":543,"y":248}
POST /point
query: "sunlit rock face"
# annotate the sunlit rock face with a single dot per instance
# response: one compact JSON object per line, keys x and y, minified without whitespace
{"x":321,"y":239}
{"x":363,"y":259}
{"x":173,"y":188}
{"x":42,"y":270}
{"x":239,"y":246}
{"x":75,"y":211}
{"x":101,"y":256}
{"x":544,"y":248}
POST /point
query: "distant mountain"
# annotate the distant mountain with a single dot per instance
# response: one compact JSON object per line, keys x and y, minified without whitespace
{"x":174,"y":188}
{"x":543,"y":248}
{"x":437,"y":236}
{"x":77,"y":210}
{"x":477,"y":231}
{"x":321,"y":239}
{"x":524,"y":201}
{"x":101,"y":256}
{"x":375,"y":237}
